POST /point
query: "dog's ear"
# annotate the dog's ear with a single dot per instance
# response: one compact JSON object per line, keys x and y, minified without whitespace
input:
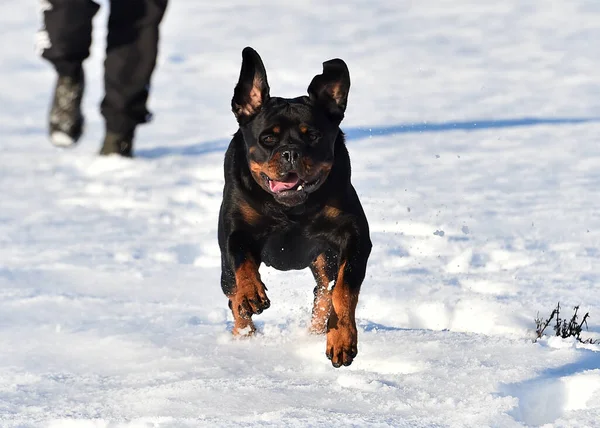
{"x":331,"y":87}
{"x":252,"y":89}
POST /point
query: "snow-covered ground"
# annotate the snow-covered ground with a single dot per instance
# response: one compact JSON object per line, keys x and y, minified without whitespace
{"x":474,"y":131}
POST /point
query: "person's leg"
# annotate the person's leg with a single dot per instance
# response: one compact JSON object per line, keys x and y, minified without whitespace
{"x":64,"y":41}
{"x":132,"y":47}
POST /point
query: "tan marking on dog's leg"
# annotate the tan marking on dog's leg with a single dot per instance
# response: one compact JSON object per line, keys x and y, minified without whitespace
{"x":248,"y":298}
{"x":342,"y":336}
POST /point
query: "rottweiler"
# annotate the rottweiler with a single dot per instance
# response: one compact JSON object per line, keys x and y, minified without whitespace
{"x":288,"y":203}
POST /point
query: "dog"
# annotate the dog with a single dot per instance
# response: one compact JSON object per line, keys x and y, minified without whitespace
{"x":288,"y":203}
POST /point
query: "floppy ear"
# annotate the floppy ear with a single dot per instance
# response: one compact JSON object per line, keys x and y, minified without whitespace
{"x":252,"y":89}
{"x":331,"y":88}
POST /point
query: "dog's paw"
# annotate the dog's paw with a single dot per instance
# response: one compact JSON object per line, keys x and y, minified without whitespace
{"x":342,"y":342}
{"x":249,"y":299}
{"x":243,"y":328}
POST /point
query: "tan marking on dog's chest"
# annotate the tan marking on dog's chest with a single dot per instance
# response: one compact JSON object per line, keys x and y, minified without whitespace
{"x":249,"y":214}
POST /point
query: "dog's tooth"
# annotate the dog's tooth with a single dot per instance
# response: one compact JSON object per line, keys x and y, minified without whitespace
{"x":300,"y":187}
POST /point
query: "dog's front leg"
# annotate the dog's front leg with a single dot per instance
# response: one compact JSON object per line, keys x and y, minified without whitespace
{"x":241,"y":283}
{"x":324,"y":269}
{"x":342,"y":338}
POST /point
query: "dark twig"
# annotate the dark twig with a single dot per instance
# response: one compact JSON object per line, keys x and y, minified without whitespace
{"x":541,"y":325}
{"x":562,"y":328}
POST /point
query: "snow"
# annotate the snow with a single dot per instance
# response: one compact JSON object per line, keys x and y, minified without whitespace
{"x":473,"y":131}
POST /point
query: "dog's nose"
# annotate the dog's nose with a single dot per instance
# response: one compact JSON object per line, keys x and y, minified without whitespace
{"x":290,"y":156}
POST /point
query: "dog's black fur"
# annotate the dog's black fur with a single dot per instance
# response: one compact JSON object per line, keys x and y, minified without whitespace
{"x":288,"y":202}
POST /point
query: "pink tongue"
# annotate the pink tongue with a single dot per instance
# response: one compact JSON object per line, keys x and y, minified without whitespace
{"x":289,"y":183}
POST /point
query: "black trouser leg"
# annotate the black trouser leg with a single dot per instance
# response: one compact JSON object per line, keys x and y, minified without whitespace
{"x":132,"y":47}
{"x":67,"y":34}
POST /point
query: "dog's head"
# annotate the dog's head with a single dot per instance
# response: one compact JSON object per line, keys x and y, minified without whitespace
{"x":290,"y":142}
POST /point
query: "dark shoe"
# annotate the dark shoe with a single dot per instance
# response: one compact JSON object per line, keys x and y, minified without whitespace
{"x":66,"y":120}
{"x":120,"y":144}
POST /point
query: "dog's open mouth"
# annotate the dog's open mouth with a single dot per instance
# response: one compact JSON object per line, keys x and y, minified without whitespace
{"x":291,"y":183}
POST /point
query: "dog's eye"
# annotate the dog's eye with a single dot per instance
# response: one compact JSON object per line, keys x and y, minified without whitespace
{"x":314,"y":136}
{"x":269,"y":140}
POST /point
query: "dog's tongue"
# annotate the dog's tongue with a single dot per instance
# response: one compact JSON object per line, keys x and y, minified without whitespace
{"x":287,"y":184}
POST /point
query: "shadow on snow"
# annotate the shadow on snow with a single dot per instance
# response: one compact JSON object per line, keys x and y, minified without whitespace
{"x":358,"y":133}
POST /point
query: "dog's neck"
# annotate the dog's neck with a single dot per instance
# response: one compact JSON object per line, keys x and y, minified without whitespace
{"x":297,"y":210}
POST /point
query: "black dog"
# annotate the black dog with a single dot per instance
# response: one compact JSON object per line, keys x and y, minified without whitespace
{"x":288,"y":202}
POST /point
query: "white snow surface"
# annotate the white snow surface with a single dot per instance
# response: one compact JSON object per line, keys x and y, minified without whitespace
{"x":474,"y":132}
